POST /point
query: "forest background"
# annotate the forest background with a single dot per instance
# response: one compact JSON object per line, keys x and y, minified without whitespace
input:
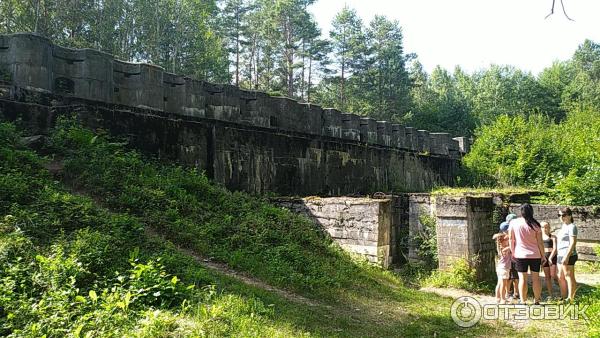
{"x":541,"y":131}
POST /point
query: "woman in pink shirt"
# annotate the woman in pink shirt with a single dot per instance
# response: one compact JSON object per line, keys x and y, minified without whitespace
{"x":526,"y":244}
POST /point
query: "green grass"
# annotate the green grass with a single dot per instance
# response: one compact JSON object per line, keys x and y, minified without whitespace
{"x":461,"y":275}
{"x":480,"y":191}
{"x":75,"y":258}
{"x":588,"y":267}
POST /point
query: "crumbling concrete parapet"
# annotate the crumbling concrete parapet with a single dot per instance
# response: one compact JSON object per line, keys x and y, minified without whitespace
{"x":332,"y":123}
{"x":384,"y":133}
{"x":368,"y":130}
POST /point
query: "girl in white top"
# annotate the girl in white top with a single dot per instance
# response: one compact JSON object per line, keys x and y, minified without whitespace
{"x":567,"y":254}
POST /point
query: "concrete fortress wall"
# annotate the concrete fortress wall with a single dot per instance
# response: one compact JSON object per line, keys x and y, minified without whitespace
{"x":244,"y":139}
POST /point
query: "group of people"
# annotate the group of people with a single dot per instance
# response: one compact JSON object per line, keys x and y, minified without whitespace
{"x":525,"y":245}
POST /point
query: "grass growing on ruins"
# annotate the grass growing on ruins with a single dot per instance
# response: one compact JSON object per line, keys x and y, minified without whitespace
{"x":246,"y":232}
{"x":480,"y":191}
{"x":78,"y":259}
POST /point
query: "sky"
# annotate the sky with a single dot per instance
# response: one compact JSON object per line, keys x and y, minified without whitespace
{"x":476,"y":33}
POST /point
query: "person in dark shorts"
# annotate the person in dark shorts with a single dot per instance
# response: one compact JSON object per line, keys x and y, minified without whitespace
{"x":550,"y":252}
{"x":527,"y":247}
{"x":514,"y":280}
{"x":567,"y":254}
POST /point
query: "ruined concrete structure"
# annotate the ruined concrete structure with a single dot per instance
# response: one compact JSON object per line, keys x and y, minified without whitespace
{"x":384,"y":230}
{"x":243,"y":139}
{"x":360,"y":225}
{"x":464,"y":229}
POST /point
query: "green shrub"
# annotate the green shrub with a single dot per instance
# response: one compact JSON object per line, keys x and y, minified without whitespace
{"x":425,"y":241}
{"x":46,"y":294}
{"x":413,"y":273}
{"x":535,"y":152}
{"x":513,"y":151}
{"x":461,"y":275}
{"x":151,"y":286}
{"x":593,"y":312}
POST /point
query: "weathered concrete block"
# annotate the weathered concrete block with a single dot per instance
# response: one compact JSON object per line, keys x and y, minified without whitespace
{"x":464,"y":229}
{"x":412,"y":139}
{"x":223,"y":102}
{"x":83,"y":73}
{"x":267,"y":108}
{"x":451,"y":206}
{"x":252,"y":114}
{"x":26,"y":61}
{"x":586,"y":250}
{"x":424,"y":141}
{"x":138,"y":85}
{"x":4,"y":42}
{"x":384,"y":133}
{"x":399,"y":136}
{"x":289,"y":114}
{"x":359,"y":225}
{"x":310,"y":119}
{"x":174,"y":93}
{"x":368,"y":130}
{"x":351,"y":126}
{"x":332,"y":123}
{"x":440,"y":143}
{"x":195,"y":98}
{"x":453,"y":149}
{"x":464,"y":144}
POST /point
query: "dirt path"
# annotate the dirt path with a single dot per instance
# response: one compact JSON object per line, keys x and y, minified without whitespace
{"x":243,"y":277}
{"x":481,"y":299}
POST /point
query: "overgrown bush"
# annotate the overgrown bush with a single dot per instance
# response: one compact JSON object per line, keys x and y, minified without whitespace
{"x":461,"y":275}
{"x":561,"y":159}
{"x":425,"y":241}
{"x":60,"y":254}
{"x":51,"y":293}
{"x":593,"y":312}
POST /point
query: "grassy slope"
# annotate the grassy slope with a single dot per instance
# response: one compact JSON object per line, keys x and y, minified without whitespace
{"x":128,"y":194}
